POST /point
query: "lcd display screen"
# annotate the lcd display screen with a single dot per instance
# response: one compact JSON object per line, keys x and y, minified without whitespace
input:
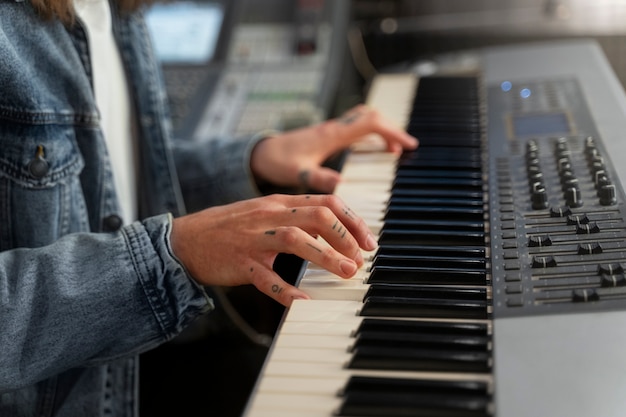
{"x":185,"y":32}
{"x":525,"y":125}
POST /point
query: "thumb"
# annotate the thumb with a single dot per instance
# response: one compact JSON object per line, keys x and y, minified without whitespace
{"x":321,"y":179}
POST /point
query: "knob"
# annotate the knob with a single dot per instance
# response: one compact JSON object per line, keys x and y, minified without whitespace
{"x":610,"y":269}
{"x":539,"y":241}
{"x":577,"y":219}
{"x":564,"y":164}
{"x":573,"y":197}
{"x":560,"y":211}
{"x":612,"y":280}
{"x":607,"y":195}
{"x":543,"y":262}
{"x":587,"y":229}
{"x":585,"y":295}
{"x":589,"y":248}
{"x":539,"y":197}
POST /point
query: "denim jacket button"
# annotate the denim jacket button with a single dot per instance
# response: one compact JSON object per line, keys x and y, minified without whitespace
{"x":38,"y":167}
{"x":112,"y":223}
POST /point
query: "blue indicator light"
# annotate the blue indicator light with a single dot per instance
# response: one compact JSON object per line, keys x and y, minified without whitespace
{"x":506,"y":86}
{"x":525,"y":92}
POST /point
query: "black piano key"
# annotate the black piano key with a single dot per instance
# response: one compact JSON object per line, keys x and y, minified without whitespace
{"x":410,"y":169}
{"x":417,"y":340}
{"x":395,"y":201}
{"x":443,"y":124}
{"x":424,"y":307}
{"x":439,"y":152}
{"x":437,"y":183}
{"x":413,"y":224}
{"x":423,"y":326}
{"x":427,"y":291}
{"x":431,"y":250}
{"x":461,"y":193}
{"x":412,"y":359}
{"x":431,"y":236}
{"x":400,"y":218}
{"x":449,"y":140}
{"x":424,"y":275}
{"x":390,"y":397}
{"x":429,"y":261}
{"x":417,"y":224}
{"x":442,"y":212}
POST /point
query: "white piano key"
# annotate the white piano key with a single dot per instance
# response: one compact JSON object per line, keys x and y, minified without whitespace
{"x":296,"y":402}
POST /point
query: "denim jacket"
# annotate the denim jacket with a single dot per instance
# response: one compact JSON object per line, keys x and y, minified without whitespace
{"x":81,"y":295}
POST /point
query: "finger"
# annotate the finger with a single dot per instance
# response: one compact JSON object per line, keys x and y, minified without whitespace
{"x":364,"y":120}
{"x":321,"y":179}
{"x":272,"y":285}
{"x":395,"y":137}
{"x":354,"y":223}
{"x":295,"y":241}
{"x":356,"y":226}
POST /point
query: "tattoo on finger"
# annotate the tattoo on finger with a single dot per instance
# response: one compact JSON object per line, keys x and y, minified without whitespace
{"x":270,"y":232}
{"x":339,"y":228}
{"x":277,"y":289}
{"x":348,"y":213}
{"x":315,"y":247}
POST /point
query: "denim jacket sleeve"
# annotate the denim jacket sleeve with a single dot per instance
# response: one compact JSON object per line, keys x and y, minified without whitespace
{"x":215,"y":171}
{"x":90,"y":298}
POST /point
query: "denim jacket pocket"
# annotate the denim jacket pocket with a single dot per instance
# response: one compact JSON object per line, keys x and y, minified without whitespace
{"x":41,"y":198}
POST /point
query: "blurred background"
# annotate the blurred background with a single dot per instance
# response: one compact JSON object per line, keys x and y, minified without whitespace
{"x":243,"y":66}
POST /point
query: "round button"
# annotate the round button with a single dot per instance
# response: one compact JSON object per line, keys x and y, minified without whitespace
{"x":112,"y":223}
{"x":38,"y":167}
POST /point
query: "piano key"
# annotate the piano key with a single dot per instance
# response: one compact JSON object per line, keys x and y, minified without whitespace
{"x":395,"y":336}
{"x":459,"y":238}
{"x":365,"y":396}
{"x":473,"y":328}
{"x":431,"y":250}
{"x":435,"y":213}
{"x":416,"y":359}
{"x":418,"y":224}
{"x":425,"y":275}
{"x":418,"y":260}
{"x":424,"y":307}
{"x":432,"y":292}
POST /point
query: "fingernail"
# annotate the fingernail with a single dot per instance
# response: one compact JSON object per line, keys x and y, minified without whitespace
{"x":371,"y":243}
{"x":348,"y":267}
{"x":359,"y":258}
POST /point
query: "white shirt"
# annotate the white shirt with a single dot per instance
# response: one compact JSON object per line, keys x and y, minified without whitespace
{"x":112,"y":99}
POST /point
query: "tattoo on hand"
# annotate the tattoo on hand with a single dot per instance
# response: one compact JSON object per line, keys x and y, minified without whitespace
{"x":315,"y":247}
